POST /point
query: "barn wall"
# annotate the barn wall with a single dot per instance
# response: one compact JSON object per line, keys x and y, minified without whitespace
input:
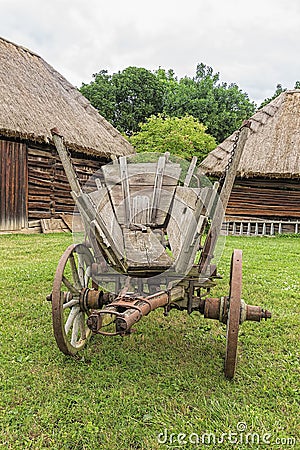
{"x":13,"y":185}
{"x":33,"y":184}
{"x":265,"y":198}
{"x":48,"y":188}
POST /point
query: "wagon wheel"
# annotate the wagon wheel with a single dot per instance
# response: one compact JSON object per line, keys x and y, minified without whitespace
{"x":233,"y":320}
{"x":69,"y":321}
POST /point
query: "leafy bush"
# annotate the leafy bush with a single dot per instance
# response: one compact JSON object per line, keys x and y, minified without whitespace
{"x":185,"y":137}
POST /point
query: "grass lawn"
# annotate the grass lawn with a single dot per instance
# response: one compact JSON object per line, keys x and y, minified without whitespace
{"x":141,"y":392}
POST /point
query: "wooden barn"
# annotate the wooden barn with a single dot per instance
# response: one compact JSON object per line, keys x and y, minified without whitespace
{"x":266,"y":195}
{"x":34,"y":98}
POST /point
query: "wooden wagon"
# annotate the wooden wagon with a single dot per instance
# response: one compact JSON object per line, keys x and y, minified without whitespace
{"x":151,"y":228}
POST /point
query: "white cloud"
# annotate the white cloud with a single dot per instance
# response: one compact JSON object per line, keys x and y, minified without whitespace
{"x":254,"y":44}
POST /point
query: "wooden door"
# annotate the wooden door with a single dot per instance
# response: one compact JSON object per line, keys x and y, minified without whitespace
{"x":13,"y":186}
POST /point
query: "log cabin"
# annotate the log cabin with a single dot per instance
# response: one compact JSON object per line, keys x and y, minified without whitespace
{"x":34,"y":98}
{"x":266,"y":195}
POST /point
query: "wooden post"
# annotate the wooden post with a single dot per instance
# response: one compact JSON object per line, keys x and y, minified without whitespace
{"x":213,"y":234}
{"x":66,"y":162}
{"x":157,"y":187}
{"x":190,"y":172}
{"x":125,"y":189}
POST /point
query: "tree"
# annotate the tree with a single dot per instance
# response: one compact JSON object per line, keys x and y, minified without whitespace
{"x":184,"y":137}
{"x":102,"y":94}
{"x":297,"y":85}
{"x":129,"y":97}
{"x":219,"y":106}
{"x":125,"y":98}
{"x":279,"y":90}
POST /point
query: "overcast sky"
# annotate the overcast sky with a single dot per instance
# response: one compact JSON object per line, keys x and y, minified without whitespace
{"x":254,"y":44}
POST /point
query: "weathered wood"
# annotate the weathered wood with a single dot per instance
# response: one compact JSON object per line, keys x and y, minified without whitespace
{"x":212,"y":199}
{"x":193,"y":222}
{"x":265,"y":198}
{"x":190,"y":172}
{"x":53,"y":226}
{"x":14,"y":185}
{"x":144,"y":250}
{"x":141,"y":209}
{"x":104,"y":209}
{"x":158,"y":182}
{"x":38,"y":153}
{"x":219,"y":212}
{"x":93,"y":217}
{"x":73,"y":222}
{"x":182,"y":214}
{"x":37,"y":214}
{"x":67,"y":163}
{"x":125,"y":189}
{"x":141,"y":174}
{"x":116,"y":195}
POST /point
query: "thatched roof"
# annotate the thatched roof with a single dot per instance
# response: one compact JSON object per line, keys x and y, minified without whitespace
{"x":273,"y":147}
{"x":34,"y":98}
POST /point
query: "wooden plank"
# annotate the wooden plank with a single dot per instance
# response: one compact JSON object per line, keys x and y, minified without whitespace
{"x":182,"y":213}
{"x":67,"y":163}
{"x":125,"y":189}
{"x":39,"y":173}
{"x":190,"y":171}
{"x":103,"y":206}
{"x":40,"y":153}
{"x":141,"y":209}
{"x":94,"y":218}
{"x":186,"y":218}
{"x":36,"y":214}
{"x":157,"y":188}
{"x":116,"y":195}
{"x":219,"y":213}
{"x":73,"y":222}
{"x":144,"y":250}
{"x":14,"y":185}
{"x":53,"y":226}
{"x":141,"y":174}
{"x":186,"y":223}
{"x":100,"y":197}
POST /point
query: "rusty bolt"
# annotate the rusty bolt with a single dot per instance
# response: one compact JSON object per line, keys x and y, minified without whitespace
{"x":265,"y":314}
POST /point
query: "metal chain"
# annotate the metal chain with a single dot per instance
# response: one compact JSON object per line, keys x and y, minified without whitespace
{"x":231,"y":156}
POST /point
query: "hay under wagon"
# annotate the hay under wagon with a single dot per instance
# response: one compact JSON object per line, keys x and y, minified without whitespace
{"x":151,"y":229}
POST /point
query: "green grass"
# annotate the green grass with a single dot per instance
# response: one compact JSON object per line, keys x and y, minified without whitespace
{"x":120,"y":393}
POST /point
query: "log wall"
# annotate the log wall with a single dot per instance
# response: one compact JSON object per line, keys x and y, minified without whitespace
{"x":48,"y":188}
{"x":265,"y":198}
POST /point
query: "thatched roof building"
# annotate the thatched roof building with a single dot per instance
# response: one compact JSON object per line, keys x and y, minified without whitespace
{"x":268,"y":178}
{"x":34,"y":98}
{"x":273,"y":148}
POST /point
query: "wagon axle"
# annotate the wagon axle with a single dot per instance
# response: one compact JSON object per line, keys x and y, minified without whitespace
{"x":217,"y":308}
{"x":128,"y":310}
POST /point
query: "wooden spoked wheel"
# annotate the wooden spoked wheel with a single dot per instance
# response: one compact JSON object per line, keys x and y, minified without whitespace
{"x":233,"y":321}
{"x":73,"y":273}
